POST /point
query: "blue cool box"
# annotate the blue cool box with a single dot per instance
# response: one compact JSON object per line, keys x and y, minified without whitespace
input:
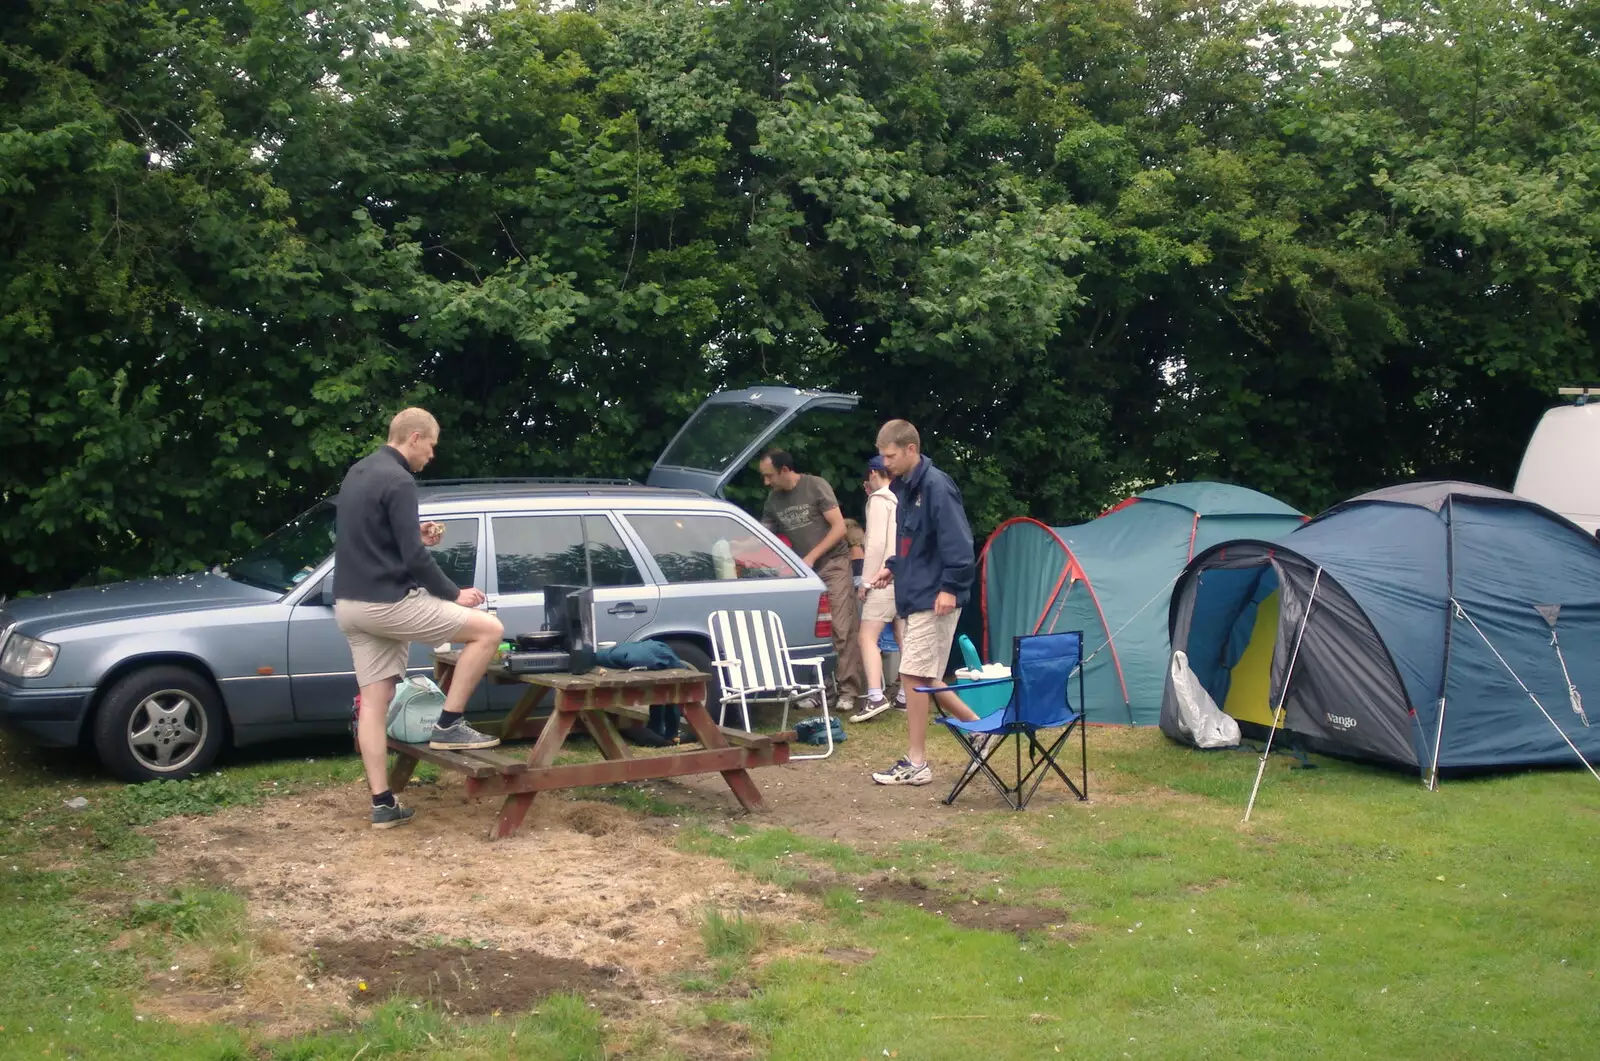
{"x":990,"y":698}
{"x":987,"y":700}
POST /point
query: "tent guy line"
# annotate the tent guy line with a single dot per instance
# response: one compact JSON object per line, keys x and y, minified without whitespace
{"x":1162,"y":593}
{"x":1551,"y":612}
{"x":1462,"y":612}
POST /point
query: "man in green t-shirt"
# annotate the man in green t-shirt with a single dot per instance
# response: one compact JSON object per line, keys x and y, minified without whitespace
{"x":803,"y":509}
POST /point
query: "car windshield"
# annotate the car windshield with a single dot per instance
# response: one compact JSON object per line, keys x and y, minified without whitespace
{"x":285,"y":559}
{"x":717,"y":435}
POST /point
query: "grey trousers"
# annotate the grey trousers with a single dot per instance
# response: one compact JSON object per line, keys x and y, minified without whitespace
{"x":849,"y":676}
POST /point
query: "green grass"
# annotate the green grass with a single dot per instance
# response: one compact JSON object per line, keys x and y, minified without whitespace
{"x":1356,"y":916}
{"x":726,"y":936}
{"x":191,"y":914}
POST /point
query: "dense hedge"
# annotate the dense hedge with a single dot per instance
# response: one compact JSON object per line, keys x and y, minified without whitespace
{"x":1085,"y":244}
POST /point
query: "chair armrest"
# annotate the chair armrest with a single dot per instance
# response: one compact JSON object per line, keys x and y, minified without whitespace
{"x":963,"y":685}
{"x":809,"y":661}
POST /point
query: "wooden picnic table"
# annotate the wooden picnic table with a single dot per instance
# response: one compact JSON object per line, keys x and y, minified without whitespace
{"x":591,"y":700}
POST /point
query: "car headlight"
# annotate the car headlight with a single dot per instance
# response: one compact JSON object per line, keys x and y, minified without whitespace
{"x":27,"y":657}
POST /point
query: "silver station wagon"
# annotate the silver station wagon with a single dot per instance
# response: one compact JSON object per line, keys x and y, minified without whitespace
{"x":159,"y":674}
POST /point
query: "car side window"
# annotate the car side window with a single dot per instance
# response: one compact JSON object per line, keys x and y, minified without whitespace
{"x":610,"y":562}
{"x":531,"y":552}
{"x":706,"y":547}
{"x":457,"y":552}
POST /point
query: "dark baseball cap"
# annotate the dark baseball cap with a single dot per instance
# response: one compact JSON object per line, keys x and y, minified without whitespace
{"x":876,"y":465}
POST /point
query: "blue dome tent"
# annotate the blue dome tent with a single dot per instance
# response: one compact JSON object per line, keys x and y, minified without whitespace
{"x":1111,"y":578}
{"x":1432,"y":625}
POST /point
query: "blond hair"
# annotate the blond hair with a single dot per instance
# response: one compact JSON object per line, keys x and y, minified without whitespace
{"x":412,"y":421}
{"x":899,"y":433}
{"x":853,"y":534}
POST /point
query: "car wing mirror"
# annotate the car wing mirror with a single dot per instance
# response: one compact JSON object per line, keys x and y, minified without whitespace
{"x":325,"y":591}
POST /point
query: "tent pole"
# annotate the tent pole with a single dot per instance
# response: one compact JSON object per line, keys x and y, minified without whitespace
{"x":1283,"y":694}
{"x":1439,"y":736}
{"x":1432,"y":780}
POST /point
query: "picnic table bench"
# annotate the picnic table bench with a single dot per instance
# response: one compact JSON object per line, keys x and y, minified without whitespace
{"x":593,"y":701}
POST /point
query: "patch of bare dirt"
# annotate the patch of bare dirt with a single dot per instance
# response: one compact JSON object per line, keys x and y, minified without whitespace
{"x":463,"y":980}
{"x":258,"y":982}
{"x":966,"y":911}
{"x":1201,"y":889}
{"x":583,"y":881}
{"x":836,"y":798}
{"x":716,"y":1040}
{"x":590,"y":896}
{"x":849,"y":955}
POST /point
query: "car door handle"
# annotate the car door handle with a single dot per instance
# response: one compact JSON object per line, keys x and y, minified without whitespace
{"x":626,"y":607}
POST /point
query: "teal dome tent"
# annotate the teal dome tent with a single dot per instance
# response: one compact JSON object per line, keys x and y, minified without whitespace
{"x":1112,"y":578}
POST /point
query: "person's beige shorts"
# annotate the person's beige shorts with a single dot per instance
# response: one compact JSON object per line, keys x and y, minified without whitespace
{"x":926,"y":648}
{"x":380,"y":635}
{"x":878,"y":607}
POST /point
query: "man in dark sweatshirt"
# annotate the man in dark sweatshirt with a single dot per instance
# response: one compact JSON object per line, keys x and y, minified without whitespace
{"x":388,"y":592}
{"x":932,"y":572}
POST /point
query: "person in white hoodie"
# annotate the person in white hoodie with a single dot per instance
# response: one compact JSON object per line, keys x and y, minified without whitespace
{"x":878,"y":608}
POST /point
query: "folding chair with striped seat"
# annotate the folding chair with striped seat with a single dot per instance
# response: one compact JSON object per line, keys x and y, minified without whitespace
{"x":751,"y":657}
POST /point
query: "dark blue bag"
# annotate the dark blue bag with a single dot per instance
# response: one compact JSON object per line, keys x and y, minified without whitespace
{"x":638,"y":655}
{"x":646,"y":655}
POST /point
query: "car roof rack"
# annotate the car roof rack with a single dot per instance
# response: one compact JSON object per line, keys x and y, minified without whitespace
{"x":529,"y":480}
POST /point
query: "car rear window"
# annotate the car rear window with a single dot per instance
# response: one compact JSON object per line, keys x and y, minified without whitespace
{"x":706,"y":547}
{"x":531,"y":552}
{"x":717,"y":435}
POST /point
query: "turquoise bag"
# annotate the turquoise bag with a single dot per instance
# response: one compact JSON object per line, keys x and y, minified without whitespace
{"x":415,"y":709}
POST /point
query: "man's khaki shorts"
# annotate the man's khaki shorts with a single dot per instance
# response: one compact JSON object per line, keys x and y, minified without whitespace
{"x":879,"y":606}
{"x":926,"y":648}
{"x":380,"y":635}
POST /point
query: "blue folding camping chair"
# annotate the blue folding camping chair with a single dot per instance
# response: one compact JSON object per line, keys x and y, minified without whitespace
{"x":1042,"y":666}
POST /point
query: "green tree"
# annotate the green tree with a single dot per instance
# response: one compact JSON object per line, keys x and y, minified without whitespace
{"x":178,"y":356}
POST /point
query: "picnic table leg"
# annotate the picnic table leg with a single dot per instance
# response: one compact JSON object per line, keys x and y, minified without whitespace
{"x":545,"y":750}
{"x":603,"y":728}
{"x":743,"y":785}
{"x":400,"y":773}
{"x":531,"y":695}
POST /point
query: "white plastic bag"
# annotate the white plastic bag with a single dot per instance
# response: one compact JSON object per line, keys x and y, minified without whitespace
{"x":1199,"y":720}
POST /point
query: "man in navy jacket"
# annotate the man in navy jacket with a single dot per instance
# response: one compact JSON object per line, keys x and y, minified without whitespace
{"x":932,"y":571}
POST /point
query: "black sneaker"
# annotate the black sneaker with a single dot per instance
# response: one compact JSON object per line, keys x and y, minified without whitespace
{"x":870,"y":709}
{"x":388,"y":816}
{"x":460,"y":738}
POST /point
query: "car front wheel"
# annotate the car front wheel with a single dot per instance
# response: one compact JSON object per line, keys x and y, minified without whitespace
{"x":159,"y":723}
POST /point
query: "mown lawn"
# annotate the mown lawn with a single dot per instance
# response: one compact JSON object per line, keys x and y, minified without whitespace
{"x":1357,"y":915}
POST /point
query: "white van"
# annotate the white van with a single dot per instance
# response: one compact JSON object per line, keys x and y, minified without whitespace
{"x":1561,"y":466}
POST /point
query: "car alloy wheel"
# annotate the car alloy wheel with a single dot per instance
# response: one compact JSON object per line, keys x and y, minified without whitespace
{"x":166,"y":731}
